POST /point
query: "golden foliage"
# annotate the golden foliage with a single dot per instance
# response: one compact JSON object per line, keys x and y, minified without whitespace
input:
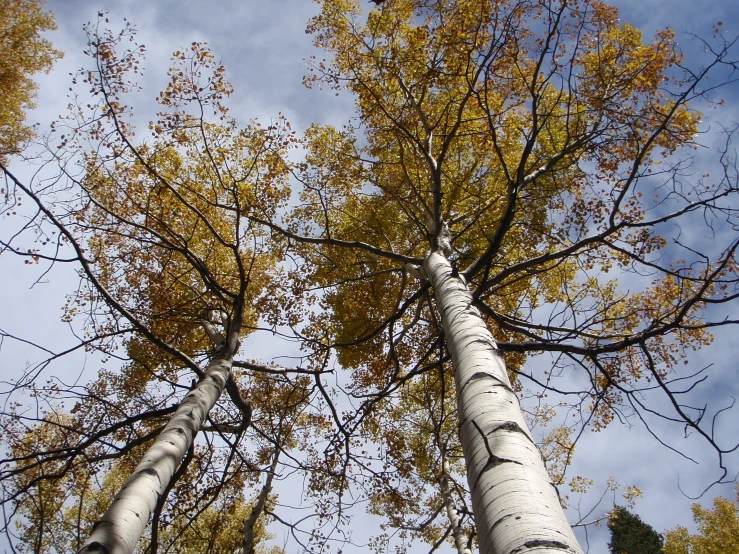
{"x":23,"y":52}
{"x":515,"y":124}
{"x":718,"y":530}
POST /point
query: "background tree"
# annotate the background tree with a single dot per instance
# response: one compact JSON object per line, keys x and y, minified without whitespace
{"x":718,"y":530}
{"x":22,"y":53}
{"x":630,"y":535}
{"x":60,"y":505}
{"x":158,"y":230}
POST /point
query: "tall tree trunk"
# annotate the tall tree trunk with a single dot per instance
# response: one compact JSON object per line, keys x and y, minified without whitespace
{"x":120,"y":528}
{"x":516,"y":508}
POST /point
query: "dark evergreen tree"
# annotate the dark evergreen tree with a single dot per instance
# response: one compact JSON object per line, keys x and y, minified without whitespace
{"x":630,"y":535}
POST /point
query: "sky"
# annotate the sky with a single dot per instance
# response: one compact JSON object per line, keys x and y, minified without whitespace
{"x":263,"y":46}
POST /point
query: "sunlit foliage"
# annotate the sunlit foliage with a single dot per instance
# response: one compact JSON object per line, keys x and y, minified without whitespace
{"x":23,"y":52}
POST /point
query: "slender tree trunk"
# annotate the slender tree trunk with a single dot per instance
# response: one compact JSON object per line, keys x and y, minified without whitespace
{"x":516,"y":508}
{"x":460,"y":541}
{"x":120,"y":528}
{"x":259,"y":505}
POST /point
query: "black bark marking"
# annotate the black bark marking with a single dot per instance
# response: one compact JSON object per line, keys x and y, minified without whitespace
{"x":556,"y":490}
{"x":493,"y":460}
{"x":508,"y":426}
{"x":487,"y":342}
{"x":513,"y":427}
{"x":501,"y":520}
{"x":95,"y":546}
{"x":542,"y":542}
{"x":151,"y":471}
{"x":486,"y":375}
{"x":100,"y":523}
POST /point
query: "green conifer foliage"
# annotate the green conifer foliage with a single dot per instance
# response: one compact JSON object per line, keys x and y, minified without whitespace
{"x":630,"y":535}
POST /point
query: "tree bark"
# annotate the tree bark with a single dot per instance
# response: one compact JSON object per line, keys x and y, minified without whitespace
{"x":516,"y":508}
{"x":259,"y":505}
{"x":460,"y":541}
{"x":120,"y":528}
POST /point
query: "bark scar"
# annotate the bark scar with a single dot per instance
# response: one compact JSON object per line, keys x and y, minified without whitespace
{"x":151,"y":471}
{"x":493,"y":460}
{"x":542,"y":542}
{"x":513,"y":427}
{"x":487,"y":342}
{"x":486,"y":375}
{"x":501,"y":520}
{"x":95,"y":546}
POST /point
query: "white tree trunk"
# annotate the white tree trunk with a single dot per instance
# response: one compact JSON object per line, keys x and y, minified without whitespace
{"x":460,"y":541}
{"x":120,"y":528}
{"x":516,"y":508}
{"x":251,"y":522}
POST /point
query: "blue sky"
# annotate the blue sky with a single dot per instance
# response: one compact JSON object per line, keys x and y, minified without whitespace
{"x":263,"y":46}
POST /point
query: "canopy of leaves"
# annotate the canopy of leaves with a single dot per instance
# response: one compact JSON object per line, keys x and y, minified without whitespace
{"x":718,"y":530}
{"x":22,"y":53}
{"x":536,"y":139}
